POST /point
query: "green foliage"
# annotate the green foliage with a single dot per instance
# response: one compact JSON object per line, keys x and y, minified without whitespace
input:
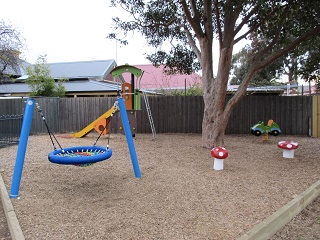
{"x":159,"y":22}
{"x":272,"y":24}
{"x":178,"y":60}
{"x":264,"y":77}
{"x":40,"y":81}
{"x":309,"y":61}
{"x":302,"y":61}
{"x":195,"y":90}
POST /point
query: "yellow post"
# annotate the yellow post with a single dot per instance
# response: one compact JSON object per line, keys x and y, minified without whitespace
{"x":265,"y":137}
{"x":316,"y":116}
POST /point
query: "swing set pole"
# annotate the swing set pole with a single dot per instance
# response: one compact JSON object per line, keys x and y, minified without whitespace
{"x":22,"y":147}
{"x":127,"y":131}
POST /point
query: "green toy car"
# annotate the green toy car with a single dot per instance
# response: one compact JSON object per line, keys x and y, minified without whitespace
{"x":271,"y":128}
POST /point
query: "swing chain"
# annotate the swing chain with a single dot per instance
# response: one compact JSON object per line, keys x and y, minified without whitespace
{"x":51,"y":135}
{"x":115,"y":109}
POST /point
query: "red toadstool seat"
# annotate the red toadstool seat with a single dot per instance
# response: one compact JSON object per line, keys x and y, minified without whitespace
{"x":288,"y":148}
{"x":219,"y":153}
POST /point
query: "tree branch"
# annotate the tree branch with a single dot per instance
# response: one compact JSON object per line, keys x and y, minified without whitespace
{"x":194,"y":9}
{"x":252,"y":29}
{"x":194,"y":24}
{"x":256,"y":25}
{"x":191,"y":42}
{"x":290,"y":47}
{"x":245,"y":19}
{"x":262,"y":52}
{"x":217,"y":13}
{"x":256,"y":66}
{"x":208,"y":19}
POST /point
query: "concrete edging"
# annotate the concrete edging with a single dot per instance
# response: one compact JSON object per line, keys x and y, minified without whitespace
{"x":12,"y":220}
{"x":268,"y":227}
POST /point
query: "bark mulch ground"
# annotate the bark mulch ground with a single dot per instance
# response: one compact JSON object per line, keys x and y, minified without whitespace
{"x":179,"y":195}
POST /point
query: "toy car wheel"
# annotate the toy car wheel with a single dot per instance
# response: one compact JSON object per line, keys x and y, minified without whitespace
{"x":257,"y":133}
{"x":275,"y":132}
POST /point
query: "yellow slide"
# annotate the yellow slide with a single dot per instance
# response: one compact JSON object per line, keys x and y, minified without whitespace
{"x":99,"y":124}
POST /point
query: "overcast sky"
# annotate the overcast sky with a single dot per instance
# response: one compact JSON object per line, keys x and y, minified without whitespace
{"x":70,"y":30}
{"x":75,"y":30}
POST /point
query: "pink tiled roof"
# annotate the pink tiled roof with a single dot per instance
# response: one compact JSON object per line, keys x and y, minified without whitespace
{"x":154,"y":78}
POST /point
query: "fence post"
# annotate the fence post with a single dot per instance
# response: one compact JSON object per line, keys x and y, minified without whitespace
{"x":25,"y":130}
{"x":315,"y":116}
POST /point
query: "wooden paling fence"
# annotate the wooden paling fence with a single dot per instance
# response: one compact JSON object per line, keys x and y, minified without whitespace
{"x":184,"y":114}
{"x":10,"y":127}
{"x":296,"y":115}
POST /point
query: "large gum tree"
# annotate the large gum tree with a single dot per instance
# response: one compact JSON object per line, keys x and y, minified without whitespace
{"x":190,"y":29}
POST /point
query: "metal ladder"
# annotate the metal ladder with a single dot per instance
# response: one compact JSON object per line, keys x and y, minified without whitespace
{"x":146,"y":101}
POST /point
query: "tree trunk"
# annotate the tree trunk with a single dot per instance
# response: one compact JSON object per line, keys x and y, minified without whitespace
{"x":215,"y":118}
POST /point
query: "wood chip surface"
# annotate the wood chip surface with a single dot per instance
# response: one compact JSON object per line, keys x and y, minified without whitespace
{"x":180,"y":195}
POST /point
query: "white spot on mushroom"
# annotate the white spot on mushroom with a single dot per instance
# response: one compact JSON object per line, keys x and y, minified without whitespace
{"x":220,"y":154}
{"x":289,"y":146}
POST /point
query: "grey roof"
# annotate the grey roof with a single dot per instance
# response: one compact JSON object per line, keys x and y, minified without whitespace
{"x":71,"y":86}
{"x":262,"y":89}
{"x":90,"y":86}
{"x":96,"y":69}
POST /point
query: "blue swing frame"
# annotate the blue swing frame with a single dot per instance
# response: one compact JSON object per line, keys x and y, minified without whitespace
{"x":25,"y":130}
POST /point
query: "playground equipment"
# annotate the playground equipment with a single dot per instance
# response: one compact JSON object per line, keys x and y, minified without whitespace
{"x":101,"y":124}
{"x":130,"y":91}
{"x":132,"y":98}
{"x":271,"y":128}
{"x":75,"y":155}
{"x":79,"y":155}
{"x":288,"y":148}
{"x":219,"y":154}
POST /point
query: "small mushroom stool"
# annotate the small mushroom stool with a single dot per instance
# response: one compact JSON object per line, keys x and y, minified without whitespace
{"x":219,"y":153}
{"x":288,"y":148}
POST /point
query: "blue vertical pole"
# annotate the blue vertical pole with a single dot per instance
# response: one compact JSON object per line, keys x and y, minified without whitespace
{"x":127,"y":131}
{"x":25,"y":130}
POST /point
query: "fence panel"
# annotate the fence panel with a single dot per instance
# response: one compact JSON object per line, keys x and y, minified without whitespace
{"x":10,"y":128}
{"x":77,"y":113}
{"x":185,"y":114}
{"x":50,"y":110}
{"x":174,"y":114}
{"x":12,"y":106}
